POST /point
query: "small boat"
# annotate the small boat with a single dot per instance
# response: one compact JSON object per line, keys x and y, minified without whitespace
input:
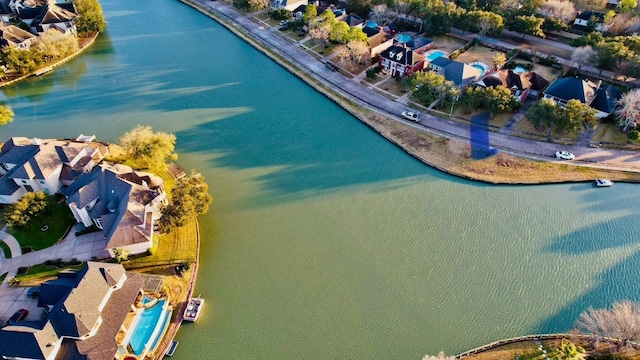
{"x":172,"y":348}
{"x":603,"y":183}
{"x":194,"y":308}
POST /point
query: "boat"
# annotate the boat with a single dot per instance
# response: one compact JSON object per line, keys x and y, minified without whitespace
{"x":172,"y":348}
{"x":43,"y":71}
{"x":194,"y":308}
{"x":603,"y":183}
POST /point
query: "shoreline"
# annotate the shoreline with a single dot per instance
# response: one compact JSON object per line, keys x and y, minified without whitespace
{"x":458,"y":162}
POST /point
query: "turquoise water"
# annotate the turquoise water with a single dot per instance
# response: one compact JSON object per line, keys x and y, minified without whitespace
{"x":519,"y":69}
{"x":404,"y":38}
{"x":325,"y":241}
{"x":150,"y":319}
{"x":434,"y":55}
{"x":371,"y":24}
{"x":480,"y":67}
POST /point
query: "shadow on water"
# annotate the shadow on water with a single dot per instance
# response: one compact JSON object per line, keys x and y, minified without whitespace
{"x":479,"y":137}
{"x":606,"y":291}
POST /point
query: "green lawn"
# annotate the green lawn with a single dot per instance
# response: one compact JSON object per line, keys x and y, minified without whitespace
{"x":172,"y":248}
{"x":610,"y":133}
{"x":58,"y":221}
{"x":5,"y":249}
{"x":43,"y":271}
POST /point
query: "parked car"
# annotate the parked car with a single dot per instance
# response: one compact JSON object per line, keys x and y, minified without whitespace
{"x":565,"y":155}
{"x":17,"y":316}
{"x":410,"y":115}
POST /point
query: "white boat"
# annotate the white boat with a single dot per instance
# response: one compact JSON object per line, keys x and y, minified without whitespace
{"x":603,"y":183}
{"x":194,"y":308}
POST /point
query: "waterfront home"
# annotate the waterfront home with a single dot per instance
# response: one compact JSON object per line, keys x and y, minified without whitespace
{"x":603,"y":99}
{"x":13,"y":36}
{"x":55,"y":16}
{"x":47,"y":165}
{"x":460,"y":73}
{"x":81,"y":314}
{"x":352,"y":20}
{"x":586,"y":18}
{"x":379,"y":43}
{"x":400,"y":61}
{"x":123,"y":204}
{"x":419,"y":44}
{"x":520,"y":83}
{"x":290,"y":5}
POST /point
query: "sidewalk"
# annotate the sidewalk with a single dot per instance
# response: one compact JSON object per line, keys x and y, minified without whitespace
{"x":303,"y":62}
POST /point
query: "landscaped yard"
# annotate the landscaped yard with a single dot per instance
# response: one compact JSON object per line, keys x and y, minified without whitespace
{"x":447,"y":44}
{"x":47,"y":230}
{"x":173,"y":248}
{"x":478,"y":53}
{"x":393,"y":86}
{"x":526,"y":130}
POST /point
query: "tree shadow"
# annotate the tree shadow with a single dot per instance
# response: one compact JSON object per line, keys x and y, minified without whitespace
{"x":479,"y":137}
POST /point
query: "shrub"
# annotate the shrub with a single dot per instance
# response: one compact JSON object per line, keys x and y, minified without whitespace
{"x":372,"y":73}
{"x":454,"y":55}
{"x":633,"y":135}
{"x":281,"y":14}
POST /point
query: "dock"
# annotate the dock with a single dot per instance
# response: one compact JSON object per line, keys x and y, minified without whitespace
{"x":172,"y":348}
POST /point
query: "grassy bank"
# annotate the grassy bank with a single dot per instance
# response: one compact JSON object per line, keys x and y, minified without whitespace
{"x":448,"y":155}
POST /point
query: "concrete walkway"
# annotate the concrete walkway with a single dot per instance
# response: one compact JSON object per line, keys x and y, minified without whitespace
{"x":81,"y":248}
{"x":585,"y":156}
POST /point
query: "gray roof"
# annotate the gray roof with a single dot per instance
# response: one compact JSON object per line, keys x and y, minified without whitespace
{"x":78,"y":296}
{"x":401,"y":55}
{"x":606,"y":99}
{"x":569,"y":88}
{"x":419,"y":42}
{"x":441,"y":61}
{"x":461,"y":73}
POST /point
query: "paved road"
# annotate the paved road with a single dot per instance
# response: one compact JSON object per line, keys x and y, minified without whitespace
{"x":270,"y":38}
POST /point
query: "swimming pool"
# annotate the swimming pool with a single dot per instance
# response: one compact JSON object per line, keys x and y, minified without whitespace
{"x":478,"y":66}
{"x":519,"y":69}
{"x":148,"y":329}
{"x":435,"y":54}
{"x":371,"y":24}
{"x":404,"y":38}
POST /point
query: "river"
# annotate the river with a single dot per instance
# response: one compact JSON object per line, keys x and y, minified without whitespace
{"x":324,"y":240}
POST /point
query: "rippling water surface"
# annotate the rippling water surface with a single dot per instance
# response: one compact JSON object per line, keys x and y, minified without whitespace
{"x":325,"y":241}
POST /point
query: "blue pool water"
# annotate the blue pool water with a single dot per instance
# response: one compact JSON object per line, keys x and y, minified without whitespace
{"x":404,"y":38}
{"x":151,"y":318}
{"x":147,"y":300}
{"x":435,"y":54}
{"x":478,"y":66}
{"x":519,"y":69}
{"x":371,"y":24}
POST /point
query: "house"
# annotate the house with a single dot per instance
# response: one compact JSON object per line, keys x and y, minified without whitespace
{"x":400,"y":61}
{"x":122,"y":203}
{"x":420,"y":44}
{"x":538,"y":84}
{"x":582,"y":21}
{"x":6,"y":14}
{"x":460,"y":73}
{"x":15,"y":37}
{"x":379,"y":43}
{"x":45,"y":165}
{"x":55,"y":16}
{"x":587,"y":92}
{"x":290,"y":5}
{"x":352,"y":20}
{"x":86,"y":314}
{"x":520,"y":84}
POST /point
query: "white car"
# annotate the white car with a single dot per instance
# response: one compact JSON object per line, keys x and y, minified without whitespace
{"x":410,"y":115}
{"x":565,"y":155}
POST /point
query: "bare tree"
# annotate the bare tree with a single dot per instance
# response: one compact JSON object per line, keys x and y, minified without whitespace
{"x":629,"y":110}
{"x":483,"y":26}
{"x":564,"y":11}
{"x":382,"y":14}
{"x":585,"y":55}
{"x":320,"y":34}
{"x":256,"y":5}
{"x":623,"y":24}
{"x":441,"y":356}
{"x":621,"y":322}
{"x":589,"y":4}
{"x":352,"y":54}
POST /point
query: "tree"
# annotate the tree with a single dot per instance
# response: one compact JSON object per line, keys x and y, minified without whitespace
{"x":352,"y":54}
{"x":543,"y":113}
{"x":569,"y":351}
{"x":621,"y":322}
{"x":499,"y":99}
{"x":498,"y":60}
{"x":585,"y":55}
{"x":531,"y":25}
{"x":627,"y":5}
{"x":147,"y":149}
{"x":425,"y":83}
{"x":320,"y":34}
{"x":25,"y":210}
{"x":576,"y":116}
{"x":355,"y":34}
{"x":310,"y":14}
{"x":441,"y":356}
{"x":21,"y":61}
{"x":589,"y":4}
{"x":382,"y":14}
{"x":121,"y":254}
{"x":623,"y":24}
{"x":6,"y":114}
{"x":339,"y":31}
{"x":53,"y":45}
{"x":90,"y":17}
{"x":613,"y":52}
{"x":189,"y":198}
{"x":256,"y":5}
{"x":628,"y":110}
{"x":448,"y":93}
{"x":473,"y":98}
{"x":484,"y":22}
{"x":558,"y":9}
